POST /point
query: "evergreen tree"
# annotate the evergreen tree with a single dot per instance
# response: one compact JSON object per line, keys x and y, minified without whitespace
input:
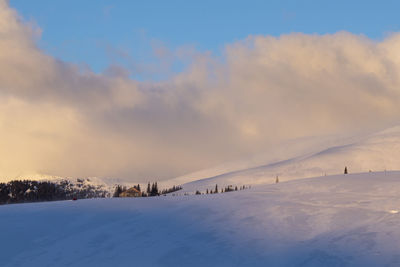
{"x":345,"y":170}
{"x":4,"y":191}
{"x":118,"y":191}
{"x":148,"y":188}
{"x":154,"y":190}
{"x":216,"y":189}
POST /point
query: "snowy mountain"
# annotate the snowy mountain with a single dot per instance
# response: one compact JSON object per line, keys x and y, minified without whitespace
{"x":108,"y":184}
{"x":328,"y":220}
{"x":343,"y":220}
{"x":377,"y":152}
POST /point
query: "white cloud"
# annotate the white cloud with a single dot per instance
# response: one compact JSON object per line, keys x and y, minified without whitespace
{"x":57,"y":119}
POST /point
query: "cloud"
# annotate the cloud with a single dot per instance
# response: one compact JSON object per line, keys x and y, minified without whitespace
{"x":57,"y":118}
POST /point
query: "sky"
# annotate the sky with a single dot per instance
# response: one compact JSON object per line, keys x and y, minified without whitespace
{"x":99,"y":33}
{"x":154,"y":90}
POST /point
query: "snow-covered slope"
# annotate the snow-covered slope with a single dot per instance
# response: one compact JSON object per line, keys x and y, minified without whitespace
{"x":376,"y":152}
{"x":293,"y":160}
{"x":344,"y":220}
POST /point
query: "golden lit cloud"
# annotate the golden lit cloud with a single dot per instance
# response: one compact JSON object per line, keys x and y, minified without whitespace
{"x":59,"y":119}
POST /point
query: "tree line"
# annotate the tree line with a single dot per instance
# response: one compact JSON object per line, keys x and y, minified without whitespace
{"x":151,"y":191}
{"x":22,"y":191}
{"x":229,"y":188}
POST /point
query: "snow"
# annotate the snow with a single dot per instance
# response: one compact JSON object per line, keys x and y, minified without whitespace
{"x":296,"y":159}
{"x":376,"y":152}
{"x":107,"y":185}
{"x":330,"y":220}
{"x":342,"y":220}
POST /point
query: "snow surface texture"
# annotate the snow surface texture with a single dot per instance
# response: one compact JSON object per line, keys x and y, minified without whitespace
{"x":343,"y":220}
{"x":377,"y":152}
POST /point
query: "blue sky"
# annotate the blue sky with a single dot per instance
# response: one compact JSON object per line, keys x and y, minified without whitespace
{"x":99,"y":33}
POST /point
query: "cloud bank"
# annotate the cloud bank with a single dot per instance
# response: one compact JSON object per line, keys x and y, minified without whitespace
{"x":57,"y":118}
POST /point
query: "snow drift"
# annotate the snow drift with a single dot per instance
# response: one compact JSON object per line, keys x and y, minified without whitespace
{"x":343,"y":220}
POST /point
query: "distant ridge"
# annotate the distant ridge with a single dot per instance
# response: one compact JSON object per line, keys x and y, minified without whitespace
{"x":375,"y":152}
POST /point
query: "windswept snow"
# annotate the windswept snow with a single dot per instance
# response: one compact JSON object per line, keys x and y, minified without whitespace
{"x":377,"y":152}
{"x":329,"y":220}
{"x":343,"y":220}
